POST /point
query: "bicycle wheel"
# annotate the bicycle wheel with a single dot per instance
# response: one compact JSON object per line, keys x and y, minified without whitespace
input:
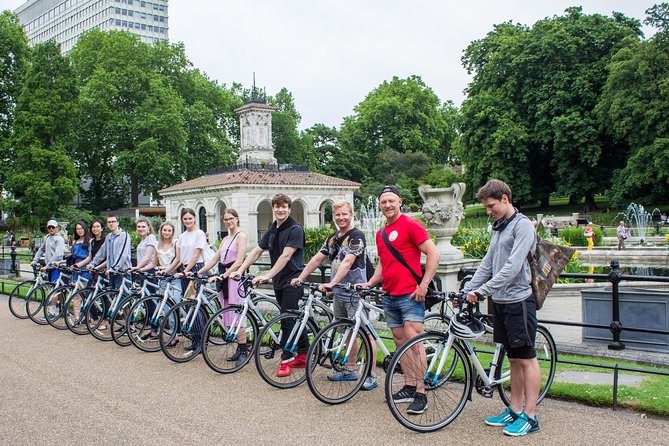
{"x":119,"y":326}
{"x":75,"y":318}
{"x":435,"y":322}
{"x":446,"y":393}
{"x":336,"y":373}
{"x":322,"y":314}
{"x":146,"y":320}
{"x":544,"y":346}
{"x":54,"y":309}
{"x":221,"y":336}
{"x":17,"y":299}
{"x":97,"y":319}
{"x":269,"y":308}
{"x":269,"y":352}
{"x":180,"y":336}
{"x":35,"y":302}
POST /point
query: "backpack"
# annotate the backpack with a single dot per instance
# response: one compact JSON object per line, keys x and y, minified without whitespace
{"x":369,"y":266}
{"x":546,"y":264}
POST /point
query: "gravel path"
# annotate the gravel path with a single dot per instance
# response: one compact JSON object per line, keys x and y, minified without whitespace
{"x":58,"y":388}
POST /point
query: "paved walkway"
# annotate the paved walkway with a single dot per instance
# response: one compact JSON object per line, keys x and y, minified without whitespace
{"x":58,"y":388}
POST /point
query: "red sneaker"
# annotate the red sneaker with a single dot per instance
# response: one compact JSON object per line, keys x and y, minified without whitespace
{"x":299,"y":362}
{"x":285,"y":370}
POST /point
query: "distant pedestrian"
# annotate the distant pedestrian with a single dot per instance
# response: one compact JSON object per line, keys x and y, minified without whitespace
{"x":621,"y":232}
{"x":589,"y":236}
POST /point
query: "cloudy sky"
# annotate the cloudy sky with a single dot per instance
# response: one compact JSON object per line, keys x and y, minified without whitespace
{"x":331,"y":54}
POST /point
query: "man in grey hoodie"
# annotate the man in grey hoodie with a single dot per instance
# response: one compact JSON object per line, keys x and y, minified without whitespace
{"x":115,"y":250}
{"x":504,"y":275}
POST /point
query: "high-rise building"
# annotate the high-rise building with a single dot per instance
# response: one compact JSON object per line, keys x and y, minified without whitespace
{"x":66,"y":20}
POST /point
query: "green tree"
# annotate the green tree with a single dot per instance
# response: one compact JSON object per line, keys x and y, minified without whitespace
{"x":14,"y":56}
{"x":132,"y":116}
{"x":548,"y":80}
{"x":290,"y":146}
{"x":403,"y":115}
{"x":42,"y":177}
{"x":633,"y":109}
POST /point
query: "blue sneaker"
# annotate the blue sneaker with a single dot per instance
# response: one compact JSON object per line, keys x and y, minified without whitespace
{"x":502,"y":420}
{"x":522,"y":426}
{"x":344,"y":375}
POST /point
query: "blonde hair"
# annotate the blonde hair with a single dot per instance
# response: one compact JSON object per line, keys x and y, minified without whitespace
{"x":160,"y":232}
{"x":342,"y":203}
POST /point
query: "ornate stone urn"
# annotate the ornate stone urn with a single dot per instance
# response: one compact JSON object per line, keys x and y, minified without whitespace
{"x":442,"y":212}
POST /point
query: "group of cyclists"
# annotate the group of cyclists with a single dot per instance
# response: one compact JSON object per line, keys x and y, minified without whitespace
{"x":504,"y":275}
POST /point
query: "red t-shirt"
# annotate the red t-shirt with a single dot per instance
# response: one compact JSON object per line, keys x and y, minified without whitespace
{"x":404,"y":235}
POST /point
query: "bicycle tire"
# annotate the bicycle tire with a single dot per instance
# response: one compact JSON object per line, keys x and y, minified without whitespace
{"x":17,"y":299}
{"x":267,"y":353}
{"x":220,"y":339}
{"x":436,"y":322}
{"x":35,"y":301}
{"x":97,"y":320}
{"x":447,"y":394}
{"x":323,"y":314}
{"x":547,"y":357}
{"x":119,"y":326}
{"x":56,"y":317}
{"x":328,"y":354}
{"x":174,"y":335}
{"x":268,"y":307}
{"x":142,"y":318}
{"x":77,"y":324}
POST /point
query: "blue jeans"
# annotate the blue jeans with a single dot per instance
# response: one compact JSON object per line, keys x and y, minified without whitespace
{"x":401,"y":309}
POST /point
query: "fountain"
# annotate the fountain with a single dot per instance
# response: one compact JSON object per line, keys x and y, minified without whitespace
{"x":371,"y":220}
{"x":638,"y":219}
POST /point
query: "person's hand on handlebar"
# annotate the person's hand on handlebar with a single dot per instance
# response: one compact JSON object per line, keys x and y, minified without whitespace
{"x":257,"y":280}
{"x":474,"y":296}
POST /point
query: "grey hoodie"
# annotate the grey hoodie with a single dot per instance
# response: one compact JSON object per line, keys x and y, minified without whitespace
{"x":53,"y":248}
{"x":504,"y":272}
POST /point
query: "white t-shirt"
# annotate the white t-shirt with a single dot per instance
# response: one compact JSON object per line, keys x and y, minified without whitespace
{"x":188,"y":242}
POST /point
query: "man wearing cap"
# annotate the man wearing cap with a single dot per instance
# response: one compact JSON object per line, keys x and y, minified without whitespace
{"x":404,"y":304}
{"x":53,"y":248}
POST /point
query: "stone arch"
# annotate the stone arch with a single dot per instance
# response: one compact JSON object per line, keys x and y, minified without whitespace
{"x":201,"y":212}
{"x":299,"y":211}
{"x":264,"y":217}
{"x":325,"y":213}
{"x":221,"y":231}
{"x":179,"y":224}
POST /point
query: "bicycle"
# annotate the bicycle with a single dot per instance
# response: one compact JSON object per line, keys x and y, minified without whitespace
{"x":221,"y":346}
{"x":102,"y":309}
{"x":283,"y":337}
{"x":80,"y":302}
{"x":120,"y":329}
{"x":453,"y":370}
{"x":178,"y":325}
{"x":36,"y":299}
{"x":18,"y":297}
{"x":346,"y":348}
{"x":56,"y":313}
{"x":146,"y":315}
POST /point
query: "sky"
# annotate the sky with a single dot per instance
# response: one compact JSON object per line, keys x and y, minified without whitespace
{"x":331,"y":54}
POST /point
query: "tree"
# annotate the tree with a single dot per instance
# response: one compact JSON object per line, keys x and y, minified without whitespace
{"x":42,"y":177}
{"x":324,"y":144}
{"x":403,"y":115}
{"x":132,"y":116}
{"x":548,"y":79}
{"x":633,"y":109}
{"x":290,"y":146}
{"x":14,"y":55}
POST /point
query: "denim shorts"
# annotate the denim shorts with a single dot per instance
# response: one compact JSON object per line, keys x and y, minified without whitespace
{"x":401,"y":309}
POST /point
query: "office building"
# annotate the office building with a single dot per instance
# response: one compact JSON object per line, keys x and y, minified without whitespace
{"x":66,"y":20}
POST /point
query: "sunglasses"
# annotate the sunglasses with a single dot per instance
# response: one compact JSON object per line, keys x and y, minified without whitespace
{"x":51,"y":227}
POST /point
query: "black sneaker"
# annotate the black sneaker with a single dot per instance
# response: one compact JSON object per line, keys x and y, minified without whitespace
{"x":418,"y":405}
{"x":405,"y":395}
{"x":234,"y":357}
{"x":244,"y":354}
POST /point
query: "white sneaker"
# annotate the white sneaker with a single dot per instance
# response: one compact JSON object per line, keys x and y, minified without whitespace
{"x":371,"y":382}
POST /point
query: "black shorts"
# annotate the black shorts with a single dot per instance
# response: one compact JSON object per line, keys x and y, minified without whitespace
{"x":515,"y":327}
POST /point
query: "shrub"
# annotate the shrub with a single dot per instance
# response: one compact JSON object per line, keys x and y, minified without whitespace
{"x":315,"y":237}
{"x":575,"y":235}
{"x":473,"y":243}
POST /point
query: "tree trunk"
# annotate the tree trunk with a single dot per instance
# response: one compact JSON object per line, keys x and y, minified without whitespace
{"x":590,"y":205}
{"x":134,"y":191}
{"x":574,"y":199}
{"x":545,"y":202}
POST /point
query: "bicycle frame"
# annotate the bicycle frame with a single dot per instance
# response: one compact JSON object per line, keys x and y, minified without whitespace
{"x":189,"y":320}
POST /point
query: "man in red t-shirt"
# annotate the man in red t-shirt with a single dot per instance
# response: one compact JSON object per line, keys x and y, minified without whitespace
{"x":404,"y":304}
